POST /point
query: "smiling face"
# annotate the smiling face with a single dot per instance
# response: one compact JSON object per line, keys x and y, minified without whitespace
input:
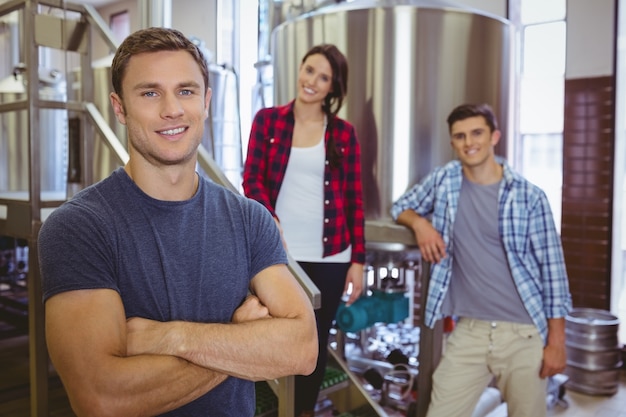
{"x":314,"y":79}
{"x":164,"y":106}
{"x":473,"y":141}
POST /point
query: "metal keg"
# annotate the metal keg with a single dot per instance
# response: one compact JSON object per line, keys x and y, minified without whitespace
{"x":593,"y":351}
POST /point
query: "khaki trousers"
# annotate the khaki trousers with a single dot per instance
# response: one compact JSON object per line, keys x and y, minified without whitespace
{"x":478,"y":352}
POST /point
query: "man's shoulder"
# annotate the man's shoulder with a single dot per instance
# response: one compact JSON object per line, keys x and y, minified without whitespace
{"x":449,"y":170}
{"x":88,"y":210}
{"x":523,"y":190}
{"x":517,"y":179}
{"x":94,"y":195}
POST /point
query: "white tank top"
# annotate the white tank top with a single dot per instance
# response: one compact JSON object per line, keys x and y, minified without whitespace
{"x":300,"y":207}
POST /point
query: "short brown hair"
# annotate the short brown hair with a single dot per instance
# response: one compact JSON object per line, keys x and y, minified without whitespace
{"x":465,"y":111}
{"x":153,"y":39}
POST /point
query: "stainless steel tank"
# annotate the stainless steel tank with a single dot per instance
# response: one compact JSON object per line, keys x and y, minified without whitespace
{"x":104,"y":161}
{"x":410,"y":64}
{"x":222,"y":134}
{"x":14,"y":154}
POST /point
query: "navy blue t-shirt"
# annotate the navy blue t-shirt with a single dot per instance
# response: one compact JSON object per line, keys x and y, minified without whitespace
{"x":169,"y":260}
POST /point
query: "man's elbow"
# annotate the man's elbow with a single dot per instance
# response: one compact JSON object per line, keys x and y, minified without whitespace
{"x":301,"y":356}
{"x":92,"y":406}
{"x":88,"y":403}
{"x":308,"y":359}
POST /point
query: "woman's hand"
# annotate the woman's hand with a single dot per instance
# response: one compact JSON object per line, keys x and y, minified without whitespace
{"x":354,"y":278}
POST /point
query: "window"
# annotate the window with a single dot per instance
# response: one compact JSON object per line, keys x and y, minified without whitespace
{"x":538,"y":148}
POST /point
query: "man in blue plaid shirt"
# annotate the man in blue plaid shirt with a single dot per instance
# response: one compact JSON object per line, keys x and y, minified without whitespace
{"x":497,"y":266}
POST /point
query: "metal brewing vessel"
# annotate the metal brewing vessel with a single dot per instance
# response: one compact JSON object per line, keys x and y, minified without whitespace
{"x":52,"y":145}
{"x":410,"y":64}
{"x":104,"y":161}
{"x":222,"y":135}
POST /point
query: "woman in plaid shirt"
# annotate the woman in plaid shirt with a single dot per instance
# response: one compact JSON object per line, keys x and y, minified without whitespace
{"x":303,"y":165}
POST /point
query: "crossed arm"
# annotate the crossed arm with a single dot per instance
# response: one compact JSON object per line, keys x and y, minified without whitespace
{"x":111,"y":366}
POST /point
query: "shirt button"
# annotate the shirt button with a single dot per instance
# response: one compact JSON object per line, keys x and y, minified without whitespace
{"x":326,"y":202}
{"x":272,"y":140}
{"x":326,"y":182}
{"x":326,"y":220}
{"x":494,"y":324}
{"x":326,"y":162}
{"x":325,"y":239}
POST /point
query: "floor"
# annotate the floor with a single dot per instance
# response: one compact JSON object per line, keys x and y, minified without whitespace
{"x":582,"y":405}
{"x":576,"y":404}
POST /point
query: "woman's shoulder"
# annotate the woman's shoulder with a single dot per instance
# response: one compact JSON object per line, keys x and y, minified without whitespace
{"x":341,"y":122}
{"x":342,"y":126}
{"x":275,"y":111}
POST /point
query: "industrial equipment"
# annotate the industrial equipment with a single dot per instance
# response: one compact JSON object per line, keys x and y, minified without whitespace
{"x":14,"y":174}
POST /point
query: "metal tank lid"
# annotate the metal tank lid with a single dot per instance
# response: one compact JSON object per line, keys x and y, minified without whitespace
{"x":425,"y":4}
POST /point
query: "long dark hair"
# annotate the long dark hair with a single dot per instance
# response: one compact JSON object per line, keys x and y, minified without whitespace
{"x":334,"y":99}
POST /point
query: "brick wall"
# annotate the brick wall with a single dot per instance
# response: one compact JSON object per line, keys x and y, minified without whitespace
{"x":588,"y":155}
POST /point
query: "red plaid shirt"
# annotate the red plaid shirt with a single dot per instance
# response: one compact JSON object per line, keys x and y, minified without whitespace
{"x":268,"y":152}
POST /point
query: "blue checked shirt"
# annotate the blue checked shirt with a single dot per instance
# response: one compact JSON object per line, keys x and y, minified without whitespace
{"x":531,"y":242}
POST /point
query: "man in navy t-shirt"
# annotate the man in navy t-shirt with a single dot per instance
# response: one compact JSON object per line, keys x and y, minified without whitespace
{"x":165,"y":293}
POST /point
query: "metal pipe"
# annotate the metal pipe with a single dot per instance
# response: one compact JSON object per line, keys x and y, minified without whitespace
{"x":94,"y":18}
{"x":155,"y":13}
{"x":107,"y":133}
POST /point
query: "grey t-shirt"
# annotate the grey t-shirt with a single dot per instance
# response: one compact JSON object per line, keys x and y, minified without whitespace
{"x":169,"y":260}
{"x":482,"y":286}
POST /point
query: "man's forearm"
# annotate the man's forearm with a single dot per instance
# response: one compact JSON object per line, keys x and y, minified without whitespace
{"x":408,"y":218}
{"x":235,"y":349}
{"x":556,"y":332}
{"x":144,"y":385}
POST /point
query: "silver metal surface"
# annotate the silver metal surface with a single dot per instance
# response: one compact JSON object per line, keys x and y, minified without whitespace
{"x":410,"y":64}
{"x":592,"y":330}
{"x":103,"y":159}
{"x":14,"y":158}
{"x":593,"y":351}
{"x":111,"y":140}
{"x":222,"y":134}
{"x":594,"y":361}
